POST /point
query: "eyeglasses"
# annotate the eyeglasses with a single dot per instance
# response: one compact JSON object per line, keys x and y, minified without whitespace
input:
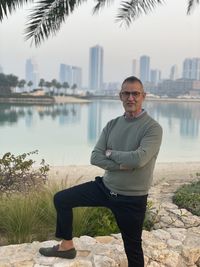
{"x":127,"y":94}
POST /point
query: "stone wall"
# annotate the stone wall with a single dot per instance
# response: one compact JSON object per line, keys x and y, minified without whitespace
{"x":174,"y":242}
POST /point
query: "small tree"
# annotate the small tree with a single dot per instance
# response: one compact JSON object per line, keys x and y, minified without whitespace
{"x":7,"y":83}
{"x":17,"y":173}
{"x":54,"y":84}
{"x":65,"y":85}
{"x":4,"y":85}
{"x":21,"y":84}
{"x":74,"y":86}
{"x":30,"y":84}
{"x":58,"y":87}
{"x":42,"y":83}
{"x":48,"y":86}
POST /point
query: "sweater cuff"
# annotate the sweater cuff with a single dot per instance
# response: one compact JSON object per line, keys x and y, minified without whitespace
{"x":115,"y":155}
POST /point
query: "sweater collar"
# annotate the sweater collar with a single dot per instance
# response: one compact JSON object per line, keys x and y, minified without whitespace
{"x":135,"y":117}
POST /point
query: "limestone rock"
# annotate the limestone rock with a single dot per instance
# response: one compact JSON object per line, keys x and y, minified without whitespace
{"x":104,"y":239}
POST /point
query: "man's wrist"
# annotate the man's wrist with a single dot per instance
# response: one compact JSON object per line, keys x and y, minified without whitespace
{"x":108,"y":153}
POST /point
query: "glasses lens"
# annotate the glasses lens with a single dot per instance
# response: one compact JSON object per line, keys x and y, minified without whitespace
{"x":134,"y":94}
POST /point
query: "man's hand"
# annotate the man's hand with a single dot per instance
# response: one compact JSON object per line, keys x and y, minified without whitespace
{"x":125,"y":168}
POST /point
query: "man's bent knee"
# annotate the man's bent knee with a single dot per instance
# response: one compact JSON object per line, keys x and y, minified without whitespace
{"x":58,"y":199}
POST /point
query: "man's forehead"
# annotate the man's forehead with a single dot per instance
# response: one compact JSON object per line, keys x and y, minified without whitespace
{"x":132,"y":86}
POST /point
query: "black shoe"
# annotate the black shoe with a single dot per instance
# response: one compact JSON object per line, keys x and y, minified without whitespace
{"x":53,"y":252}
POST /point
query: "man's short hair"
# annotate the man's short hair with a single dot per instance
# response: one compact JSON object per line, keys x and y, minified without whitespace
{"x":132,"y":79}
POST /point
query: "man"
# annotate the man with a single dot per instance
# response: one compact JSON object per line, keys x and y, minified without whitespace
{"x":127,"y":149}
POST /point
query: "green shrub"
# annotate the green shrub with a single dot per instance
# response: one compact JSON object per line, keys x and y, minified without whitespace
{"x":17,"y":173}
{"x":151,"y":216}
{"x":19,"y":221}
{"x":101,"y":221}
{"x":188,"y":197}
{"x":32,"y":216}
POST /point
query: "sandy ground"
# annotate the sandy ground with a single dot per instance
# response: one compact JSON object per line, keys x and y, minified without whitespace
{"x":75,"y":174}
{"x":69,"y":99}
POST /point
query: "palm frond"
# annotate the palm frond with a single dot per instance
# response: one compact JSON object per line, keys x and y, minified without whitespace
{"x":131,"y":10}
{"x":100,"y":4}
{"x":8,"y":6}
{"x":46,"y":18}
{"x":191,"y":5}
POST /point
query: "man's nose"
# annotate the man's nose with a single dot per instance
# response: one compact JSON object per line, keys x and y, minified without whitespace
{"x":131,"y":96}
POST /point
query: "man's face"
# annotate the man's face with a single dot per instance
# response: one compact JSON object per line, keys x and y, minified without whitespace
{"x":132,"y":95}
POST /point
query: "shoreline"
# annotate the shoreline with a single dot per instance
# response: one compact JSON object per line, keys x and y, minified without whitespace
{"x":70,"y":99}
{"x":169,"y":171}
{"x":82,"y":100}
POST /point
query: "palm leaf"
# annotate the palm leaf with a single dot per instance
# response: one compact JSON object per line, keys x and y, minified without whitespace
{"x":8,"y":6}
{"x":130,"y":10}
{"x":191,"y":5}
{"x":100,"y":4}
{"x":46,"y":18}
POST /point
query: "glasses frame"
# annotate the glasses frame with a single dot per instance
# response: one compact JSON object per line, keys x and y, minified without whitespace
{"x":127,"y":94}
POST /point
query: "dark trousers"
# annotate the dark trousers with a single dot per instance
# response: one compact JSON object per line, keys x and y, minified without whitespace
{"x":129,"y":212}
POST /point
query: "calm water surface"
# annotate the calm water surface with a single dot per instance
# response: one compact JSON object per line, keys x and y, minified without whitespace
{"x":66,"y":133}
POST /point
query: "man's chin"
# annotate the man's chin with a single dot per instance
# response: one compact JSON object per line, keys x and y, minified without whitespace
{"x":130,"y":109}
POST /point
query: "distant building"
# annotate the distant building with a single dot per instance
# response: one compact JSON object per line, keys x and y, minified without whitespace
{"x":96,"y":68}
{"x":31,"y":72}
{"x":111,"y":88}
{"x":65,"y":74}
{"x":70,"y":74}
{"x":145,"y":68}
{"x":62,"y":73}
{"x":37,"y":92}
{"x":173,"y":73}
{"x":155,"y":76}
{"x":179,"y":87}
{"x":76,"y":77}
{"x":191,"y":68}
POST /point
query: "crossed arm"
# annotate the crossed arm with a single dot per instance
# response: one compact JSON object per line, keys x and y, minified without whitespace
{"x":127,"y":160}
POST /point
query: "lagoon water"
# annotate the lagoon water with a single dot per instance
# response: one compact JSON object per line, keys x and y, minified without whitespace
{"x":65,"y":134}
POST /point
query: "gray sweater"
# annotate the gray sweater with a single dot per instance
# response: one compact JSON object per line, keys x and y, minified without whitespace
{"x":135,"y":143}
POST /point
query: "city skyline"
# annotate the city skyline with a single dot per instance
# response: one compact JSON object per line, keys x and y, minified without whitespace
{"x":70,"y":76}
{"x":167,"y":35}
{"x":141,"y":67}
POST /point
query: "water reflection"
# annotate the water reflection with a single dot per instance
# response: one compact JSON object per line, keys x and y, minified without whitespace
{"x":71,"y":130}
{"x":11,"y":114}
{"x":184,"y":115}
{"x":94,"y":121}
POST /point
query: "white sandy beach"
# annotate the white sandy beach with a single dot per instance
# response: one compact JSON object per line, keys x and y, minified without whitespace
{"x":70,"y":99}
{"x":172,"y":171}
{"x":75,"y":100}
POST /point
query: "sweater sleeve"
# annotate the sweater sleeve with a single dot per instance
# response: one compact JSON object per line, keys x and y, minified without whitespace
{"x":148,"y":148}
{"x":98,"y":156}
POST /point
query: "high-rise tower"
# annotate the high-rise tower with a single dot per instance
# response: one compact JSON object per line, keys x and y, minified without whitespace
{"x":71,"y":74}
{"x":96,"y":68}
{"x":173,"y":72}
{"x":191,"y":68}
{"x":31,"y":72}
{"x":145,"y":68}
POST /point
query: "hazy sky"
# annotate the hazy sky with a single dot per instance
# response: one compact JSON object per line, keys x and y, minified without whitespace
{"x":167,"y":35}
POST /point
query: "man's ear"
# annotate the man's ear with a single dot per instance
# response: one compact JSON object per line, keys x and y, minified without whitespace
{"x":120,"y":96}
